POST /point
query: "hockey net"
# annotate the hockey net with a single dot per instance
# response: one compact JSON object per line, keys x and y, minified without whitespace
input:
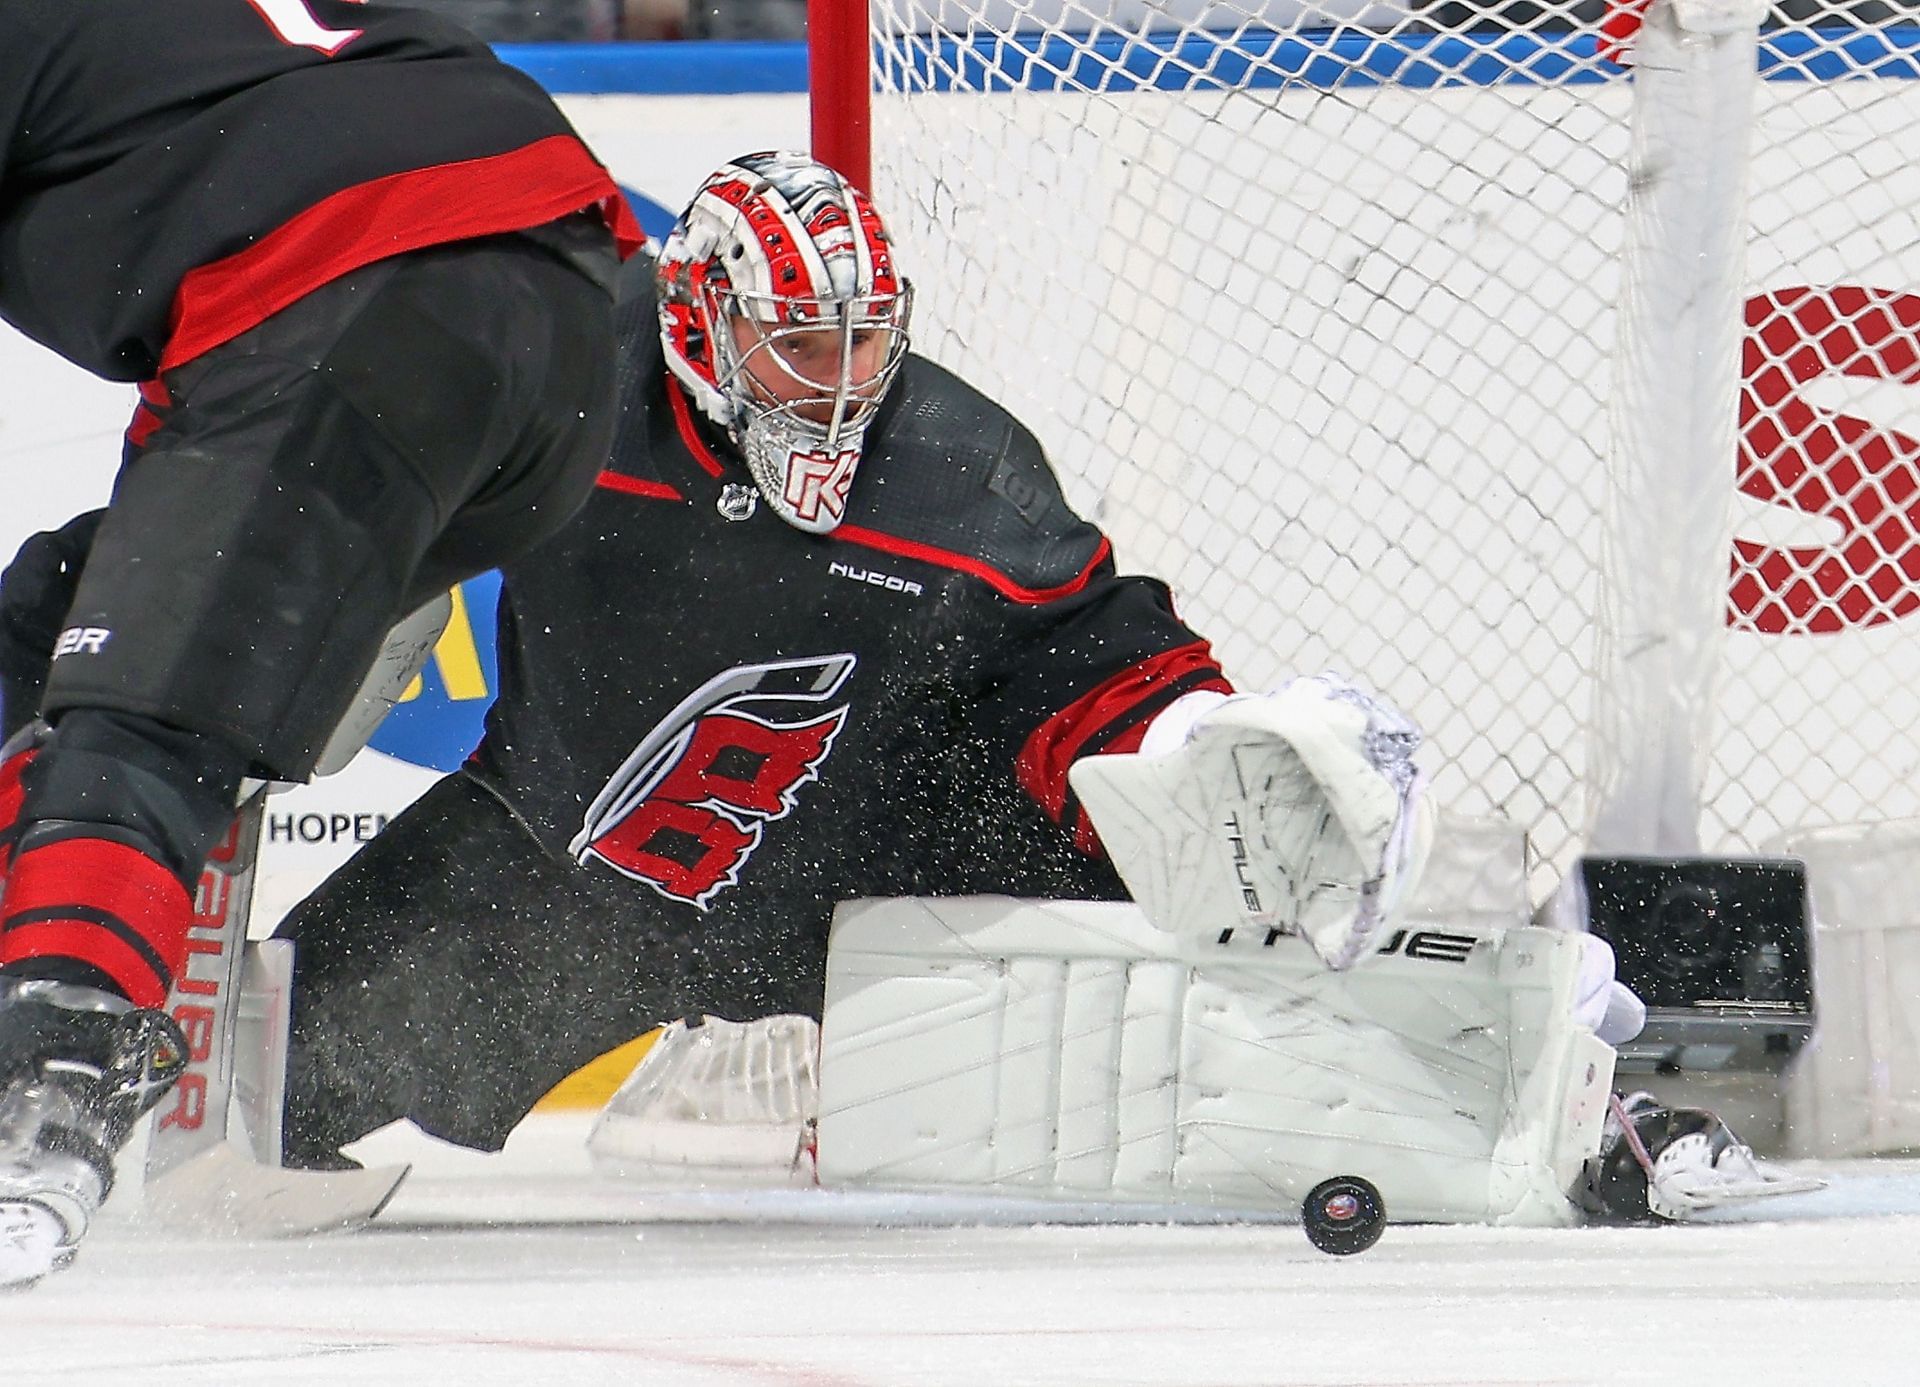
{"x":1318,"y":310}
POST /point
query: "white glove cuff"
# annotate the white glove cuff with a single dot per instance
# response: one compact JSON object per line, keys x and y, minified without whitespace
{"x":1170,"y":726}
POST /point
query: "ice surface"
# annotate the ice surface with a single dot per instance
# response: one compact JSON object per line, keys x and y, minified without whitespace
{"x":524,"y":1269}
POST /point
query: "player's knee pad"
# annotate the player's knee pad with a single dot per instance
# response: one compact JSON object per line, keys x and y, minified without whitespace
{"x":401,"y":658}
{"x":1071,"y":1050}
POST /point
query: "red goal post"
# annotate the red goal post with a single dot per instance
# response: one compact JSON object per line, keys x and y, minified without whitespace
{"x":1567,"y":404}
{"x":840,"y":87}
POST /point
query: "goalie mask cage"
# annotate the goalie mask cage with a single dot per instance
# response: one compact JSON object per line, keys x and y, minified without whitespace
{"x":1571,"y":408}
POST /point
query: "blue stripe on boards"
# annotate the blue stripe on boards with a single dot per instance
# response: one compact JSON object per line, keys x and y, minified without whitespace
{"x":1170,"y":60}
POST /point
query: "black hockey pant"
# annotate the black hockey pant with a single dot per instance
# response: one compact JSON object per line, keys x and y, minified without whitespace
{"x":285,"y":498}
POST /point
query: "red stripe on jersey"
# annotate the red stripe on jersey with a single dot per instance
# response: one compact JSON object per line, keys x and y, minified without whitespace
{"x":356,"y":226}
{"x":637,"y":486}
{"x":689,"y":435}
{"x":153,"y":397}
{"x":103,"y":903}
{"x":1041,"y":767}
{"x":966,"y":563}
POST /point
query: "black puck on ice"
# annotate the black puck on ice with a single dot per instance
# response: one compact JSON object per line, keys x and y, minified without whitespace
{"x":1344,"y":1215}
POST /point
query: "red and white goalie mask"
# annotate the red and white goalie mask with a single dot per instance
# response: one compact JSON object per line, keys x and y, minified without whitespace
{"x":784,"y":318}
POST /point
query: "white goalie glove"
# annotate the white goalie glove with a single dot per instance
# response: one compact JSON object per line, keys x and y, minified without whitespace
{"x":1299,"y":811}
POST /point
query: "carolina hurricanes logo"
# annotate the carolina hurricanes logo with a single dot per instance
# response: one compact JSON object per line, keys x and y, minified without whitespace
{"x":690,"y":803}
{"x":820,"y":481}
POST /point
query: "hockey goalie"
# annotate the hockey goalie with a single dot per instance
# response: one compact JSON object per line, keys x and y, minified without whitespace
{"x":829,"y":632}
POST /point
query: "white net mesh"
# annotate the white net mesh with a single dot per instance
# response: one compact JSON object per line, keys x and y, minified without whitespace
{"x":1314,"y":306}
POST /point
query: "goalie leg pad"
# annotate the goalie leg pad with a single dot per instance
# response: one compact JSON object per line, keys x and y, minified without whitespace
{"x":1071,"y":1050}
{"x":716,"y":1103}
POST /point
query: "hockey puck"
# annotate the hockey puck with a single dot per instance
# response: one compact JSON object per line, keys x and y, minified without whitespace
{"x":1344,"y":1215}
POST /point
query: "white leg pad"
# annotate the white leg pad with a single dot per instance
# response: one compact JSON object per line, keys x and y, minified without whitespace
{"x":1071,"y":1050}
{"x":721,"y":1103}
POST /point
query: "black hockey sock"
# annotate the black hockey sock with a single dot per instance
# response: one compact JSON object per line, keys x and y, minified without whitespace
{"x":70,"y":970}
{"x":173,"y":790}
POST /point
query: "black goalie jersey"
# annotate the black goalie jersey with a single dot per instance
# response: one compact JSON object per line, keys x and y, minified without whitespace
{"x":712,"y":727}
{"x":696,"y":694}
{"x":172,"y":172}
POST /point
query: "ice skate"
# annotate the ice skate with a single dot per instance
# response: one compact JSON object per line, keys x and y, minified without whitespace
{"x":77,"y":1068}
{"x":1670,"y":1164}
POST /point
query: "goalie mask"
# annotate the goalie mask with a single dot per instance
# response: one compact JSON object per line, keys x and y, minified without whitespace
{"x":784,"y":318}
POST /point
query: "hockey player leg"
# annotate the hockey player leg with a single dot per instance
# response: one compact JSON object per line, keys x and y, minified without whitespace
{"x":95,"y":924}
{"x":202,"y":1171}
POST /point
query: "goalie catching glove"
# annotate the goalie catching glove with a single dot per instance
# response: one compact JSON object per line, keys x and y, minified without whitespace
{"x":1299,"y":811}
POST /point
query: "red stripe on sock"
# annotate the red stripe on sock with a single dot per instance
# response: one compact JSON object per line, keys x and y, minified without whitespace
{"x":11,"y":794}
{"x":91,"y":876}
{"x":91,"y":944}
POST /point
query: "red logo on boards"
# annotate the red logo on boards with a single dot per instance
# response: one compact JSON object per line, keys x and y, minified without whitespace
{"x":690,"y":803}
{"x":1860,"y":480}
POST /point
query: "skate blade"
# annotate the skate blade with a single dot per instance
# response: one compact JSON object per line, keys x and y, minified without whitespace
{"x":1680,"y":1201}
{"x":227,"y":1191}
{"x":1767,"y":1186}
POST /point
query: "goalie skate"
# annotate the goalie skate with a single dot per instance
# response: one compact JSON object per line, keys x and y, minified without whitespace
{"x":1672,"y":1164}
